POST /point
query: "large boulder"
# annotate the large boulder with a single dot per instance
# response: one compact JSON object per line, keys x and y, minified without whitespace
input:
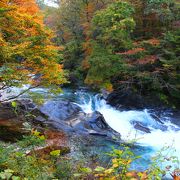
{"x":70,"y":119}
{"x":11,"y":125}
{"x":59,"y":110}
{"x":92,"y":124}
{"x":62,"y":115}
{"x":127,"y":99}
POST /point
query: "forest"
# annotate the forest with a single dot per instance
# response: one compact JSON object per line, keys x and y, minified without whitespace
{"x":138,"y":40}
{"x":82,"y":74}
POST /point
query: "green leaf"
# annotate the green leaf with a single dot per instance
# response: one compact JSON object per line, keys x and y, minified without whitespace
{"x":13,"y":104}
{"x":55,"y":153}
{"x":86,"y":170}
{"x":16,"y":178}
{"x":99,"y":169}
{"x":9,"y":171}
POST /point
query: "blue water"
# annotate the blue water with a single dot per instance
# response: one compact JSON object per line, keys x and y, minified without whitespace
{"x":147,"y":144}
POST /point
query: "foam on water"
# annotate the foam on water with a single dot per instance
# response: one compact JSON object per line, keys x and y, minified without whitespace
{"x":121,"y":122}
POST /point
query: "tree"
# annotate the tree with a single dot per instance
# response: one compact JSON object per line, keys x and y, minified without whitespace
{"x":153,"y":17}
{"x":121,"y":44}
{"x":73,"y":25}
{"x":27,"y":55}
{"x":111,"y":32}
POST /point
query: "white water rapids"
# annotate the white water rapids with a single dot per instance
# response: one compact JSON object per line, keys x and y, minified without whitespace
{"x":162,"y":134}
{"x":121,"y":122}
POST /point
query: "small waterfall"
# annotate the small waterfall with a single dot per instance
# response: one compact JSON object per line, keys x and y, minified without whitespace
{"x":161,"y":135}
{"x":85,"y":101}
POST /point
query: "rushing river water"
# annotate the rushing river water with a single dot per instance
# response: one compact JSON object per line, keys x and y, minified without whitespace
{"x":121,"y":121}
{"x":162,"y":134}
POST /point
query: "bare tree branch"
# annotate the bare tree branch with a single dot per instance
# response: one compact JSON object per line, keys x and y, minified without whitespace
{"x":21,"y":93}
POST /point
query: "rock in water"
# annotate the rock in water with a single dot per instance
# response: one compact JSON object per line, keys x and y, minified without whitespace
{"x":155,"y":117}
{"x":67,"y":117}
{"x":93,"y":124}
{"x":59,"y":110}
{"x":97,"y":121}
{"x":127,"y":99}
{"x":141,"y":127}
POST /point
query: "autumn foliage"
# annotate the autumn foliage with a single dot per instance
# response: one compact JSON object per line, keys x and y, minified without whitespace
{"x":27,"y":54}
{"x":130,"y":44}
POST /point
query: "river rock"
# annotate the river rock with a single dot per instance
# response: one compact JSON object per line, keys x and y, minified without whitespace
{"x":175,"y":117}
{"x":97,"y":121}
{"x":139,"y":126}
{"x":105,"y":93}
{"x":82,"y":124}
{"x":59,"y":126}
{"x":59,"y":110}
{"x":127,"y":99}
{"x":174,"y":128}
{"x":26,"y":104}
{"x":155,"y":117}
{"x":6,"y":111}
{"x":11,"y":126}
{"x":93,"y":124}
{"x":64,"y":116}
{"x":92,"y":132}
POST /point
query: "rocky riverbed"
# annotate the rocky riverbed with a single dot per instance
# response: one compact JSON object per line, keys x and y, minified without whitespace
{"x":82,"y":124}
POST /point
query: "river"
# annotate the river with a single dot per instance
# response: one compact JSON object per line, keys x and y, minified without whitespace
{"x":162,"y":134}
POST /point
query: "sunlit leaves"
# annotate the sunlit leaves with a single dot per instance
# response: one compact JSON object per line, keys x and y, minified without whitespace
{"x":26,"y":47}
{"x":113,"y":25}
{"x":55,"y":153}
